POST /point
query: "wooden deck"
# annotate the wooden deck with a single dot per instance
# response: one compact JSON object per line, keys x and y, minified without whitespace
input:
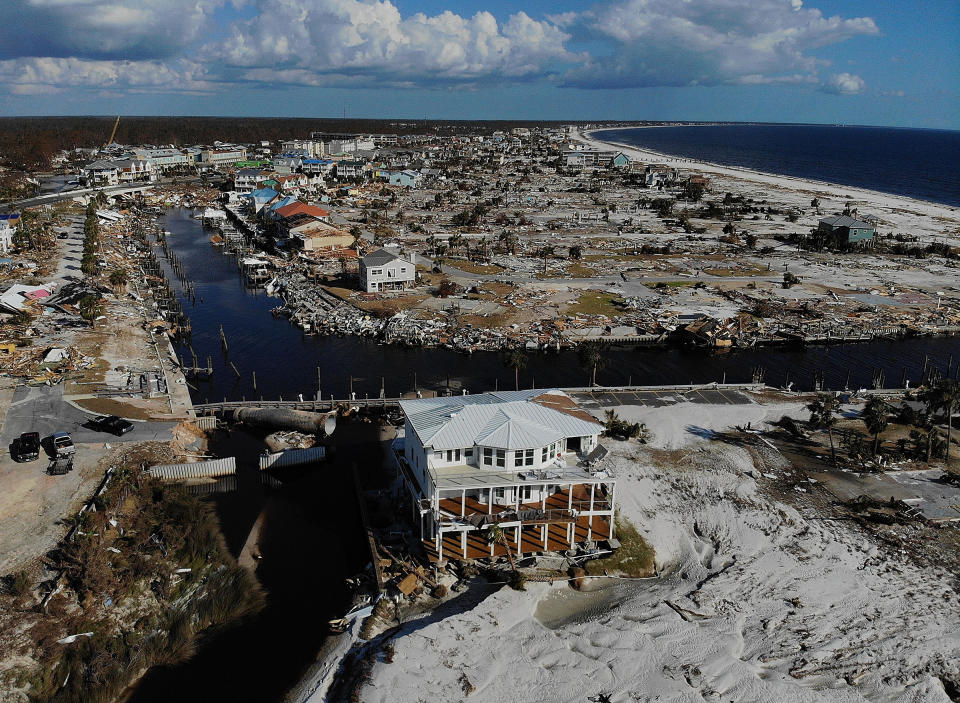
{"x":531,"y":540}
{"x":457,"y":507}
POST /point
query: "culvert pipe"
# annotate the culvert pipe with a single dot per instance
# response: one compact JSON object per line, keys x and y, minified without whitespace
{"x":285,"y":419}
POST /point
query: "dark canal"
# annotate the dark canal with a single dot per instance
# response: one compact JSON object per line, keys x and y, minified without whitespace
{"x":286,"y":361}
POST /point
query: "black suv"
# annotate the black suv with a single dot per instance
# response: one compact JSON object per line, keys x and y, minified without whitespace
{"x":113,"y":424}
{"x":27,"y":446}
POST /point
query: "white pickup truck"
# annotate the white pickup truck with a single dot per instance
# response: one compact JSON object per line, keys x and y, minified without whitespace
{"x":62,"y":444}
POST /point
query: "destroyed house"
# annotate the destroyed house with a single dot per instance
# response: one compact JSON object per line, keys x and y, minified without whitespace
{"x":843,"y":229}
{"x":520,"y":460}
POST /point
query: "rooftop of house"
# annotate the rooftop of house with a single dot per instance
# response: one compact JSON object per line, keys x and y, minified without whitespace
{"x":101,"y":165}
{"x":298,"y":208}
{"x":264,"y":194}
{"x":506,"y":420}
{"x":845,"y":221}
{"x":380,"y":257}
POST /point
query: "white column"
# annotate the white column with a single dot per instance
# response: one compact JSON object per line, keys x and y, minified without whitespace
{"x":613,"y":506}
{"x":463,"y":543}
{"x":463,"y":503}
{"x":590,"y":517}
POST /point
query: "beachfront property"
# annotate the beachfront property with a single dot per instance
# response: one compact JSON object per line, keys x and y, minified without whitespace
{"x":589,"y":158}
{"x":846,"y":230}
{"x":516,"y":459}
{"x":382,"y":270}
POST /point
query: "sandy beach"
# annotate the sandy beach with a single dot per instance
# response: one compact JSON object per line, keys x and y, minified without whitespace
{"x":758,"y":600}
{"x":809,"y":187}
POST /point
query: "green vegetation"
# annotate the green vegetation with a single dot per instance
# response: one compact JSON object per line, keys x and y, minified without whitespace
{"x":634,"y":558}
{"x":592,"y":302}
{"x":473,"y":266}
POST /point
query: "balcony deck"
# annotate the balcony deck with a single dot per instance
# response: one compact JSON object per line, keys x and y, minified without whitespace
{"x":531,"y":540}
{"x":459,"y":507}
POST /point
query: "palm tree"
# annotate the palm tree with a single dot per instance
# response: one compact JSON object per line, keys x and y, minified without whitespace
{"x":876,"y":417}
{"x":118,"y":279}
{"x":90,"y":308}
{"x":545,"y":253}
{"x":516,"y":359}
{"x":495,"y":535}
{"x":945,"y":396}
{"x":822,"y":415}
{"x":592,"y":355}
{"x":927,"y":425}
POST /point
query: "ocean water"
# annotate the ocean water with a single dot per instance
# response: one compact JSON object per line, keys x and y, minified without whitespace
{"x":918,"y":163}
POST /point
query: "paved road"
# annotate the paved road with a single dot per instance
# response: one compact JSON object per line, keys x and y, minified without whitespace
{"x":42,"y":409}
{"x":70,"y":194}
{"x":68,"y":267}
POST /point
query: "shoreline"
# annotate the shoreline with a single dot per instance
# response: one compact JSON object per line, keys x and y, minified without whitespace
{"x":765,"y":177}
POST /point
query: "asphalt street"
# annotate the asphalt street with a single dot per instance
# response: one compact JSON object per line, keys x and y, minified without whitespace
{"x":42,"y":409}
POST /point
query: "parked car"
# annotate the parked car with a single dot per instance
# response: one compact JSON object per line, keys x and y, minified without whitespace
{"x":113,"y":424}
{"x":26,"y":447}
{"x":63,"y":445}
{"x":60,"y":465}
{"x":63,"y":235}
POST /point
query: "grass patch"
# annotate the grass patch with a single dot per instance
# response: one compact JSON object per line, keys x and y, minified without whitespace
{"x":578,"y":270}
{"x":483,"y":321}
{"x":634,"y":558}
{"x":592,"y":302}
{"x":473,"y":266}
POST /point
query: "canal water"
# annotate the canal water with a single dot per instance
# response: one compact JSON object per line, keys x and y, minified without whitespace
{"x":311,"y":538}
{"x":286,"y":361}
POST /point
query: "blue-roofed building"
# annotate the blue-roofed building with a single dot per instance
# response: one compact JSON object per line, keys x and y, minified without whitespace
{"x":522,"y":460}
{"x":260,"y":198}
{"x":404,"y":179}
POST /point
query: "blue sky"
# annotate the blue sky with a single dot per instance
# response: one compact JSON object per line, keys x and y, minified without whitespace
{"x":879,"y":62}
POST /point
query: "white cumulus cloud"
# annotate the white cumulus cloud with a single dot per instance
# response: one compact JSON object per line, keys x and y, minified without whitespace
{"x":709,"y":42}
{"x":844,"y":84}
{"x":316,"y":42}
{"x":37,"y":76}
{"x":102,"y":29}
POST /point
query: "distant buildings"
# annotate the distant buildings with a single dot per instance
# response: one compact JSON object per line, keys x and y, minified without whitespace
{"x":591,"y":158}
{"x":382,"y":271}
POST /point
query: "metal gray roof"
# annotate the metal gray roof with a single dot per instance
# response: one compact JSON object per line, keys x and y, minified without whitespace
{"x":507,"y":420}
{"x":845,"y":221}
{"x":380,"y":257}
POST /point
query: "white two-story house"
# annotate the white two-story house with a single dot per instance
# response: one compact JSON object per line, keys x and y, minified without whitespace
{"x":516,"y":459}
{"x":382,"y":270}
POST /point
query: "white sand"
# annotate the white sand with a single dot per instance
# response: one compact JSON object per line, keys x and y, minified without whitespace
{"x":794,"y":610}
{"x":833,"y":190}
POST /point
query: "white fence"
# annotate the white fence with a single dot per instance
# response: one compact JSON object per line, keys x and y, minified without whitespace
{"x":292,"y":457}
{"x":200,"y":469}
